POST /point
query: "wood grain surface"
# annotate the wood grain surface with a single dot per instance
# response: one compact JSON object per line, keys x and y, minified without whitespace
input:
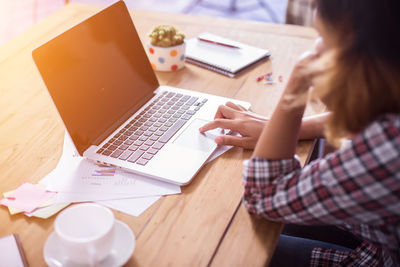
{"x":205,"y":224}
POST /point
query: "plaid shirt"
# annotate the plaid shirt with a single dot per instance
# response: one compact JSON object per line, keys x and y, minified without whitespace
{"x":356,"y":188}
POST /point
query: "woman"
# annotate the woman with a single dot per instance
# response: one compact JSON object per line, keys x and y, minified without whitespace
{"x":355,"y":71}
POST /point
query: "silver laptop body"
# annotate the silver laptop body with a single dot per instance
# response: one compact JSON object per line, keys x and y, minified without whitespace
{"x":113,"y":107}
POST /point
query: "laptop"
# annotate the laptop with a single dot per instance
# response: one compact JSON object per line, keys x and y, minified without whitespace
{"x":113,"y":107}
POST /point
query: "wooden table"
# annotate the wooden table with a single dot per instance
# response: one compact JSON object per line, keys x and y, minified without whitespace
{"x":206,"y":224}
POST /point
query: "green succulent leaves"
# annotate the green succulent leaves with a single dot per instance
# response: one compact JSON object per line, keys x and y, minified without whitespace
{"x":166,"y":36}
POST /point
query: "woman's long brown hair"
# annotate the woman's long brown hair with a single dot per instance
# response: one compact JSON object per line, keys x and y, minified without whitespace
{"x":364,"y":81}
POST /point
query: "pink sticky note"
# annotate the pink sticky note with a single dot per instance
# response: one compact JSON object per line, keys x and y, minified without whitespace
{"x":27,"y":197}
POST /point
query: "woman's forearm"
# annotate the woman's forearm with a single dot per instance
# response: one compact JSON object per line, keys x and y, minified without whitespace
{"x":279,"y":137}
{"x":313,"y":126}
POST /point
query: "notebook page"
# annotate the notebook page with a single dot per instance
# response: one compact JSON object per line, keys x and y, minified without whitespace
{"x":11,"y":252}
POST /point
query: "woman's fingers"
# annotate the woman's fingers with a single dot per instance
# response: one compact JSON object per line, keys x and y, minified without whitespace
{"x":220,"y":123}
{"x":230,"y":140}
{"x":249,"y":129}
{"x":226,"y":139}
{"x":225,"y":112}
{"x":235,"y":106}
{"x":319,"y":45}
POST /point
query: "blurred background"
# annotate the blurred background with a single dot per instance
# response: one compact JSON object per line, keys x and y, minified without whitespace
{"x":17,"y":16}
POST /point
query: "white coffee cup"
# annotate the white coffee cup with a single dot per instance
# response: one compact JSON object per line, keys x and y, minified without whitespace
{"x":85,"y":232}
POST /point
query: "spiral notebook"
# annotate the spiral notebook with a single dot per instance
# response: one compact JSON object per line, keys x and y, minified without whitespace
{"x":222,"y":55}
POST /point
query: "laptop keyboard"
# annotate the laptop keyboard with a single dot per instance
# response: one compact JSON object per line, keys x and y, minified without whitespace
{"x":148,"y":132}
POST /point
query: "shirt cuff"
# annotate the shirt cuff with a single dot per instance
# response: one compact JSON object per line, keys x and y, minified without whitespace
{"x":260,"y":171}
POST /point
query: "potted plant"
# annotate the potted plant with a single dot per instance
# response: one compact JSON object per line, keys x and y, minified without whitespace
{"x":166,"y":49}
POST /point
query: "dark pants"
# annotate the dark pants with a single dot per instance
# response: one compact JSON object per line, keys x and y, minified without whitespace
{"x":296,"y":243}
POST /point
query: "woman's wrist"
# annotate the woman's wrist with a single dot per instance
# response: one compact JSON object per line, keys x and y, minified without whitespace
{"x":313,"y":126}
{"x":279,"y":137}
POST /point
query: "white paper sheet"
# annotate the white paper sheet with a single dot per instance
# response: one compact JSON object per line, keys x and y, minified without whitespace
{"x":221,"y":149}
{"x":218,"y":152}
{"x":133,"y":206}
{"x":77,"y":180}
{"x":86,"y":181}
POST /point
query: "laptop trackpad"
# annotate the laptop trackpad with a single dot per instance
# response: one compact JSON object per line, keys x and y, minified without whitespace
{"x":192,"y":138}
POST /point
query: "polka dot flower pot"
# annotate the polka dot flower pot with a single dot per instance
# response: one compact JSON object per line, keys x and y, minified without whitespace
{"x":166,"y":58}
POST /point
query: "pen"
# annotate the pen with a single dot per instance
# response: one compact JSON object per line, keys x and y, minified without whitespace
{"x":217,"y":43}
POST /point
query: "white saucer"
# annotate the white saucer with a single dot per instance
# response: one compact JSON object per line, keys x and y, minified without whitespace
{"x":123,"y":246}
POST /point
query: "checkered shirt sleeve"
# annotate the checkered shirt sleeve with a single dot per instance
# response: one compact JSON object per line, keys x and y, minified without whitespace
{"x":356,"y":188}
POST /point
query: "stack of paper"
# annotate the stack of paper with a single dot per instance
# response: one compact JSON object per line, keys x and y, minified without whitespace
{"x":76,"y":179}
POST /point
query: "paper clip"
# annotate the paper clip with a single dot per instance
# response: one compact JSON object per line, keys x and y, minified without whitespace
{"x":260,"y":78}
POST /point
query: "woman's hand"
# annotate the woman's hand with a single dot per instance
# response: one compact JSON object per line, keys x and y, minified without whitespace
{"x":250,"y":125}
{"x":306,"y":68}
{"x":280,"y":137}
{"x":238,"y":119}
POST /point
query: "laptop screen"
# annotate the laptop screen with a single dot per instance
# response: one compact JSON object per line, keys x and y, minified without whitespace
{"x":98,"y":74}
